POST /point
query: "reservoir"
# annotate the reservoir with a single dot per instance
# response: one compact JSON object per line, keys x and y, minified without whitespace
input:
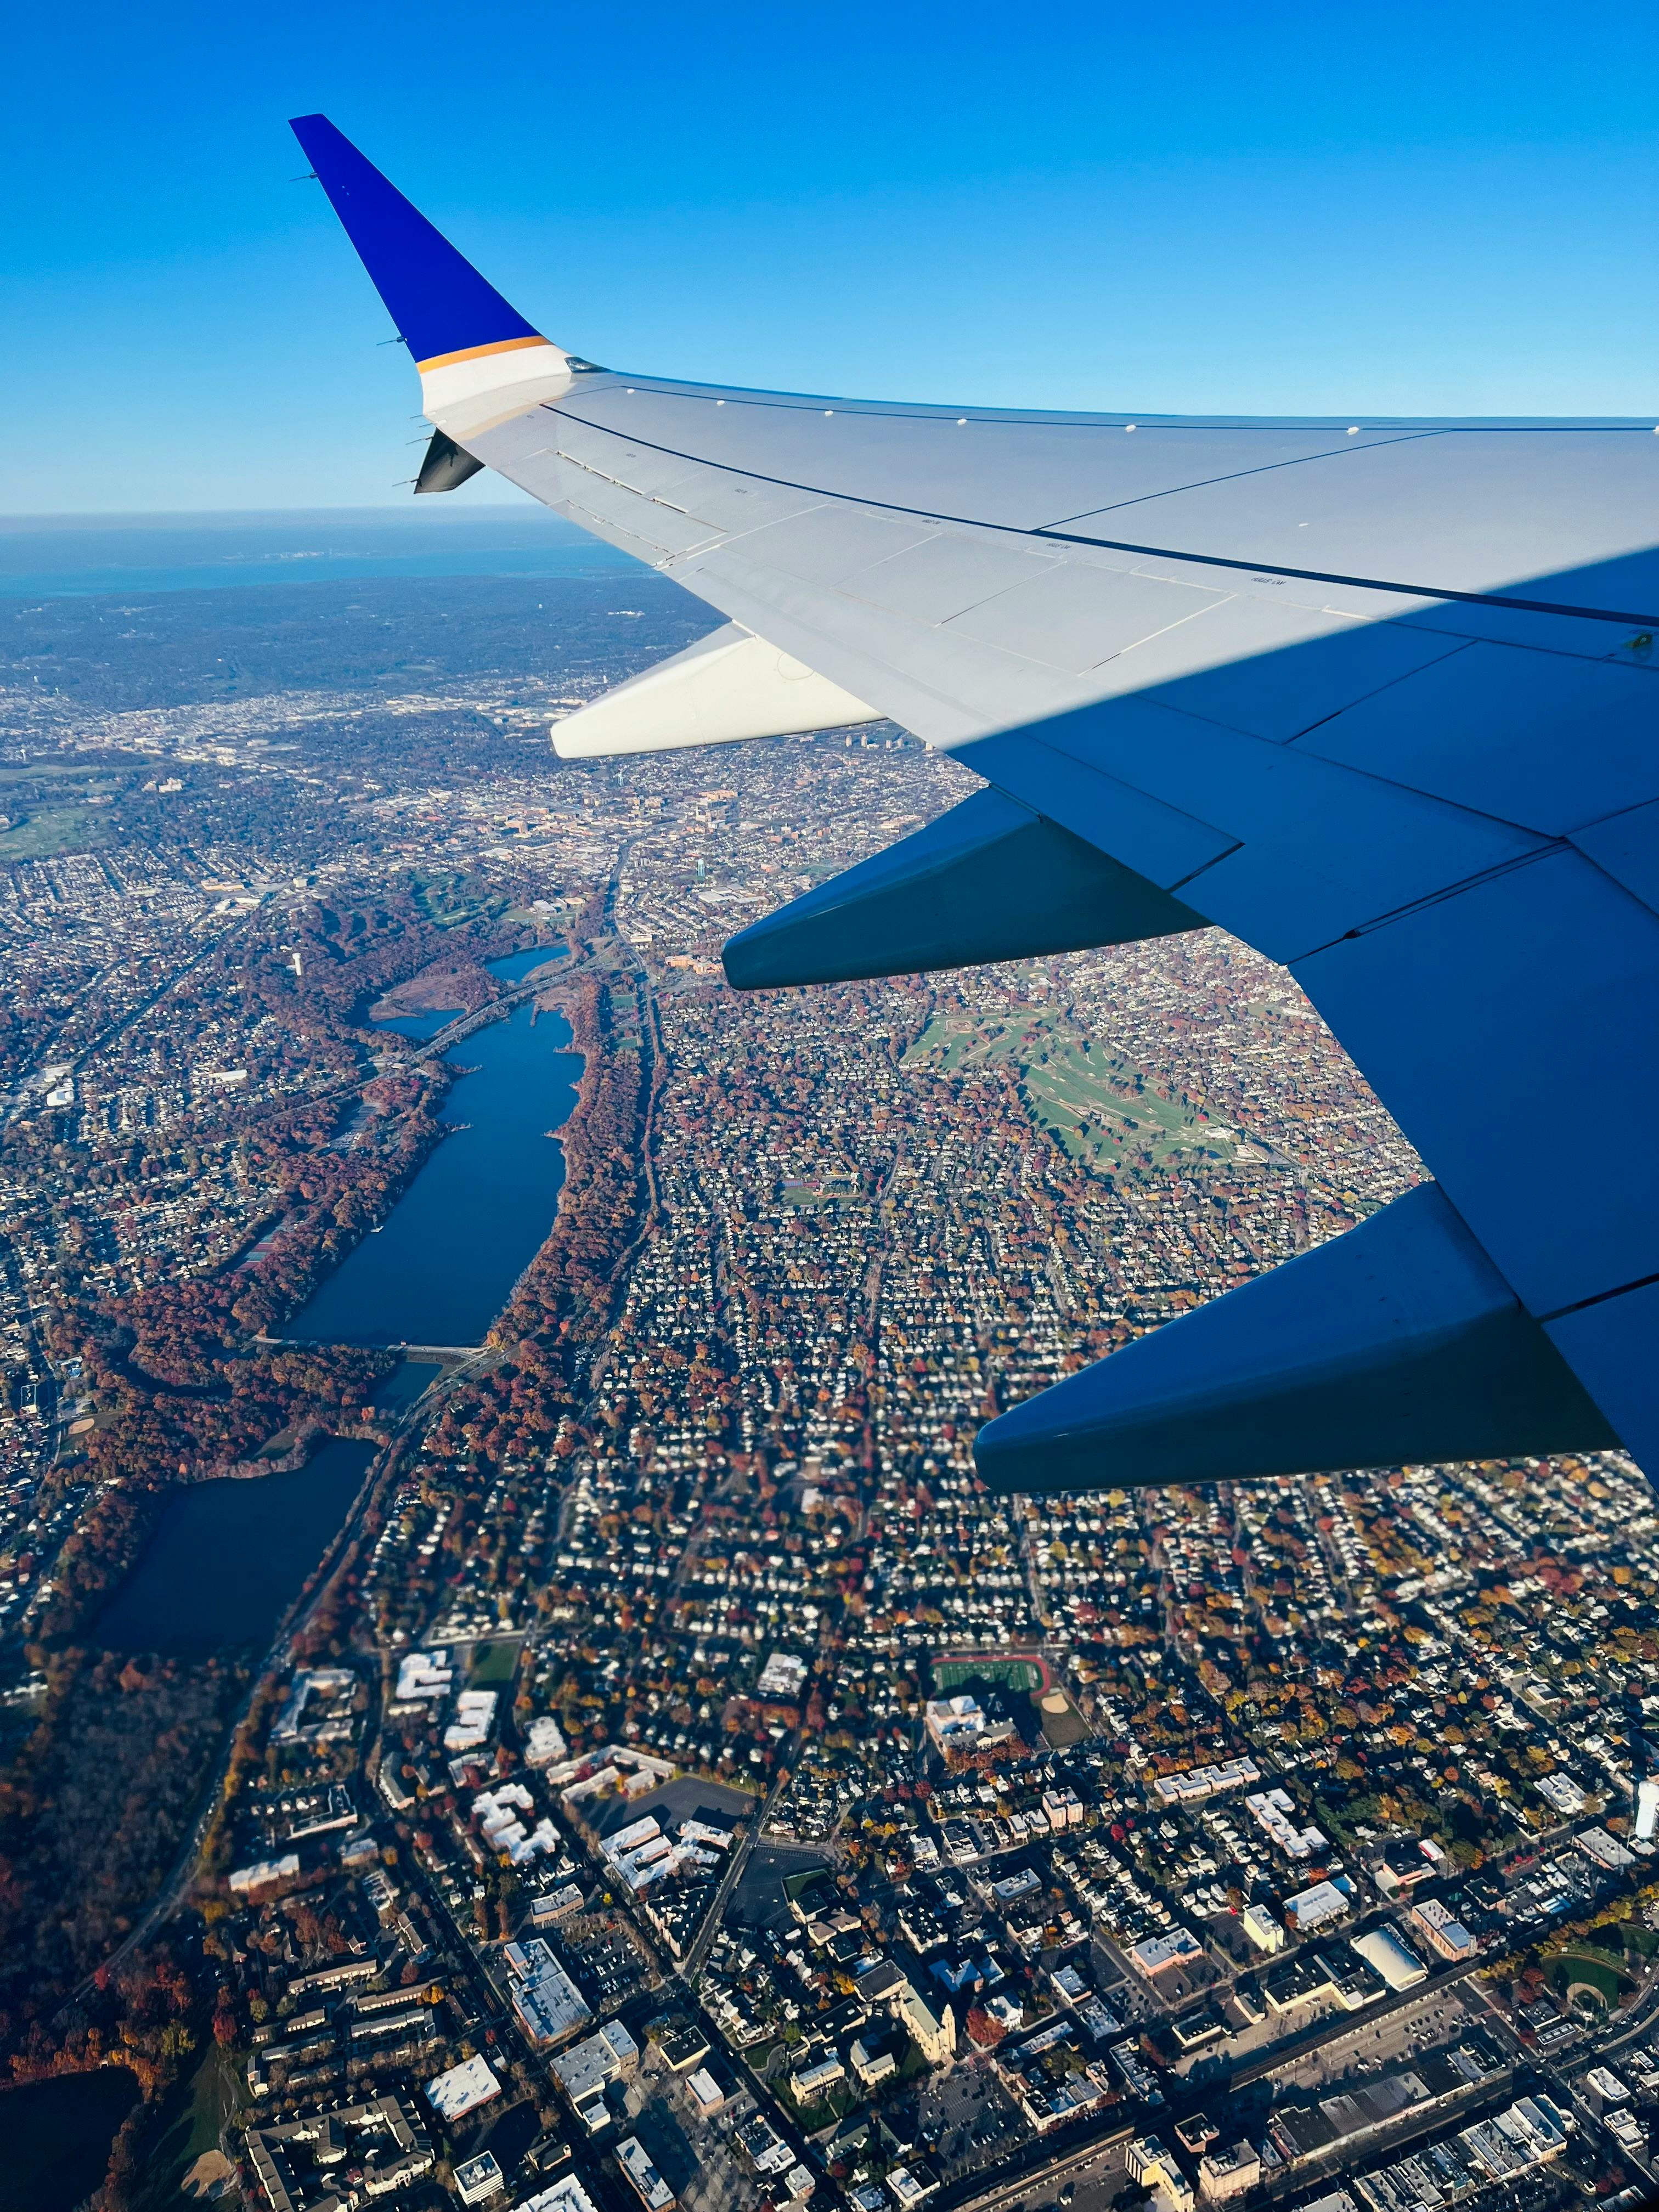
{"x":510,"y":968}
{"x":55,"y":2137}
{"x":444,"y":1263}
{"x":228,"y":1559}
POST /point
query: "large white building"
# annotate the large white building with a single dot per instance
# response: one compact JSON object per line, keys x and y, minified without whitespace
{"x":1391,"y":1956}
{"x":462,"y":2089}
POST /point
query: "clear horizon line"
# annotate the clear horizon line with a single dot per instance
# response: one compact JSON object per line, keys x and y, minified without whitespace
{"x":118,"y":514}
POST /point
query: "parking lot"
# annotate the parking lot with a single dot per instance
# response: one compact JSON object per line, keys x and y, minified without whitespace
{"x":967,"y":2115}
{"x":1438,"y":2019}
{"x":606,"y":1958}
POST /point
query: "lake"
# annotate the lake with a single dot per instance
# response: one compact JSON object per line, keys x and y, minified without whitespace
{"x":443,"y":1264}
{"x":228,"y":1558}
{"x":55,"y":2137}
{"x":405,"y":1385}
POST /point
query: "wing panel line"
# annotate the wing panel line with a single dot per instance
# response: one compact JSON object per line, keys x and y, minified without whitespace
{"x":1053,"y":535}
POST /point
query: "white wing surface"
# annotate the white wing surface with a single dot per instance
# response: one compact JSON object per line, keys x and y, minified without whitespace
{"x":1375,"y":696}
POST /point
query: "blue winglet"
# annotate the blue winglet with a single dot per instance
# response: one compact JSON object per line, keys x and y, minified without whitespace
{"x":440,"y":303}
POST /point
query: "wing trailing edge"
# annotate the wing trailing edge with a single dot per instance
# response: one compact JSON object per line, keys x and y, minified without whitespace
{"x":990,"y":880}
{"x":1398,"y":1344}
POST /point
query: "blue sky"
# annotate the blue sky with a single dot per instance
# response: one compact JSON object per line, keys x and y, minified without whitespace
{"x":1223,"y":207}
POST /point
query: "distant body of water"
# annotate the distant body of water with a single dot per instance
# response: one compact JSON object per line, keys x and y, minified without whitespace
{"x":53,"y":557}
{"x":228,"y":1558}
{"x":444,"y":1263}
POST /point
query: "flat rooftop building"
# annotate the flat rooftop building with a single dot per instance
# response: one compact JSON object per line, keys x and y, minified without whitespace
{"x":462,"y":2089}
{"x":546,"y":2000}
{"x":642,"y":2176}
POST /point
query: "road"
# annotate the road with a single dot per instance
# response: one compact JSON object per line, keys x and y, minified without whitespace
{"x":690,"y":1967}
{"x":1042,"y":2179}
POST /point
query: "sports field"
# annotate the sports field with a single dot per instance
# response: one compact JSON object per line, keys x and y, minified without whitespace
{"x":1014,"y":1674}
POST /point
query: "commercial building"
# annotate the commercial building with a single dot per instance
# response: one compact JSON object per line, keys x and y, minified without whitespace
{"x":1225,"y":2174}
{"x":1263,"y":1930}
{"x":910,"y":2186}
{"x":1155,"y":1955}
{"x":549,"y":2004}
{"x":1152,"y":2166}
{"x":1444,"y":1931}
{"x":633,"y":2162}
{"x":1405,"y":1863}
{"x":478,"y":2179}
{"x":1392,"y":1957}
{"x":706,"y":2093}
{"x":567,"y":2195}
{"x":462,"y":2089}
{"x":1319,"y":1907}
{"x":587,"y":2069}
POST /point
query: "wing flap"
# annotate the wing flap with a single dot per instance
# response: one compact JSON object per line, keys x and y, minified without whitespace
{"x":1397,"y":1344}
{"x":1317,"y":849}
{"x":1539,"y":738}
{"x":1509,"y":1031}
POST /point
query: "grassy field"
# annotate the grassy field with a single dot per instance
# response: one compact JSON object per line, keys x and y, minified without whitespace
{"x":69,"y":775}
{"x":1568,"y":1969}
{"x":196,"y":2109}
{"x":1014,"y":1674}
{"x":1100,"y":1110}
{"x":50,"y":829}
{"x":493,"y":1666}
{"x":47,"y":801}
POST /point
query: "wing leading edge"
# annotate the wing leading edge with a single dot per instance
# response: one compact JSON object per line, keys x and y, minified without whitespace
{"x":1376,"y":697}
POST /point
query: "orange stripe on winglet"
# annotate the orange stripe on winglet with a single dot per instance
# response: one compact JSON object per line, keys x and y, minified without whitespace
{"x":477,"y":353}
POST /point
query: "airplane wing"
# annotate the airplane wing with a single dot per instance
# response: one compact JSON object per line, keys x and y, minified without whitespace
{"x":1377,"y":696}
